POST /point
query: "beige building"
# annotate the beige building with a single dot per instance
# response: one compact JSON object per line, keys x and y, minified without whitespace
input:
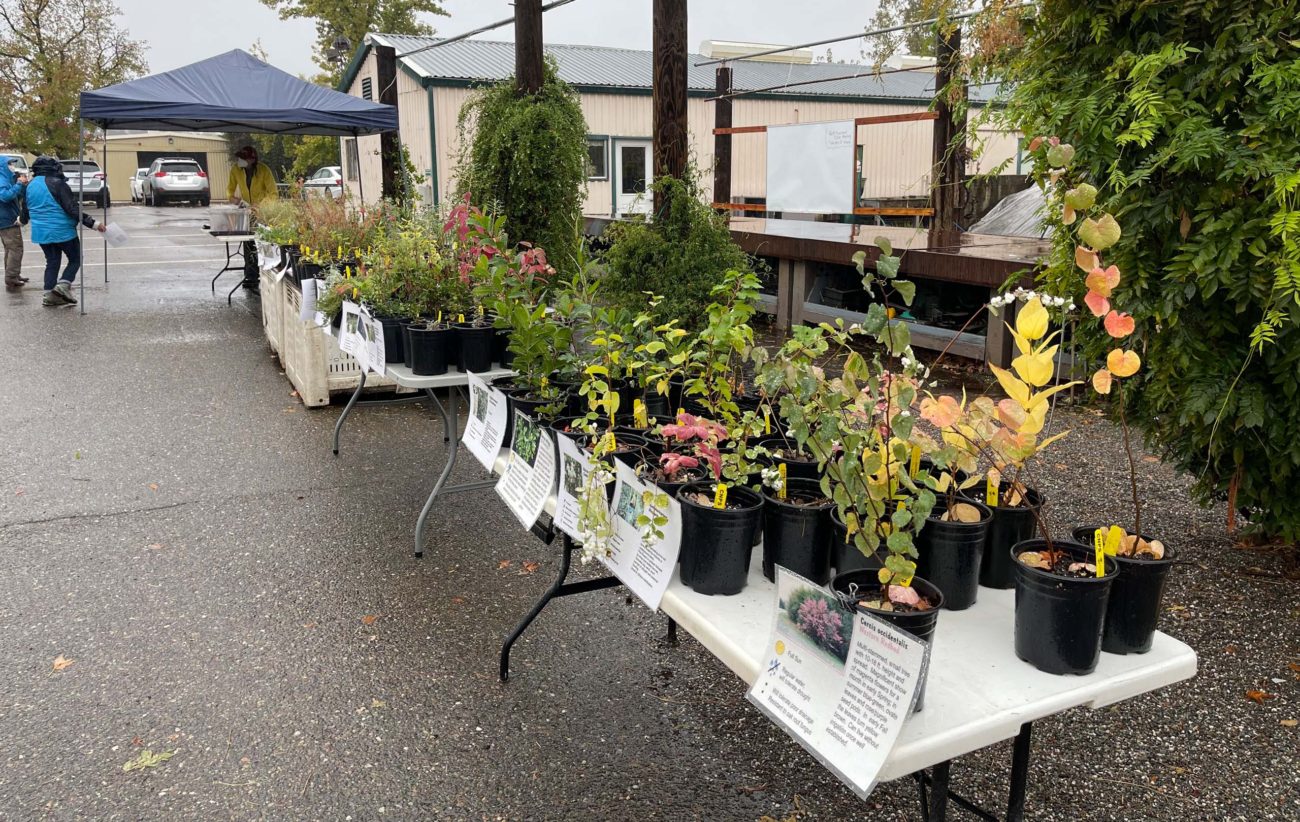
{"x":615,"y":90}
{"x":127,"y":151}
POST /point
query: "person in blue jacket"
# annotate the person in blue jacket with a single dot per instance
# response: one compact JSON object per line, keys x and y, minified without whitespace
{"x":53,"y":210}
{"x":11,"y":232}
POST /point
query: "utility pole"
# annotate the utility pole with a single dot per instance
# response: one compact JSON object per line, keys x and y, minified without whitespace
{"x":390,"y":146}
{"x":528,"y":46}
{"x":948,"y":158}
{"x":670,"y":133}
{"x":722,"y":142}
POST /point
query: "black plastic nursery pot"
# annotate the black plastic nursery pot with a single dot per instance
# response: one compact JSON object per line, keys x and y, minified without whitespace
{"x":500,"y":353}
{"x":845,"y":556}
{"x":394,"y":345}
{"x":475,"y":347}
{"x":863,"y":584}
{"x":1133,"y":612}
{"x":950,"y":554}
{"x":407,"y":349}
{"x":429,"y":349}
{"x":1059,"y":620}
{"x":1011,"y":525}
{"x":797,"y":537}
{"x":657,"y":405}
{"x":716,"y":543}
{"x":794,"y":469}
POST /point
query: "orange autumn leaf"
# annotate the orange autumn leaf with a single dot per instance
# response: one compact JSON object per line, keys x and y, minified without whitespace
{"x":1101,"y":381}
{"x":530,"y":566}
{"x":504,"y":564}
{"x":1103,"y":281}
{"x":1258,"y":696}
{"x":61,"y":662}
{"x":1119,"y":325}
{"x":941,"y":412}
{"x":369,"y":619}
{"x":1086,"y":258}
{"x":1123,"y":363}
{"x":1097,"y":304}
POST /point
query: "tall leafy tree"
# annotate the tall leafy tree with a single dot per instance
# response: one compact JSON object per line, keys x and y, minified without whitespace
{"x":1185,"y":115}
{"x":918,"y":40}
{"x":51,"y":51}
{"x":354,"y":18}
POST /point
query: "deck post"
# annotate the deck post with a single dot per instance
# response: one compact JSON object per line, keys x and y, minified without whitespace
{"x":722,"y":142}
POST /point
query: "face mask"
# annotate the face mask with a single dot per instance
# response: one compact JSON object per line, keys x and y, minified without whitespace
{"x":241,"y":162}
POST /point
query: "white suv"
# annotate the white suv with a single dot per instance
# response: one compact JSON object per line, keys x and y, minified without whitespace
{"x":175,"y":178}
{"x":87,"y":179}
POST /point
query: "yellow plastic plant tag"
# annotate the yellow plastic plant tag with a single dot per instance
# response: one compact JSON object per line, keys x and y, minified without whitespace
{"x":1113,"y":536}
{"x":720,"y":497}
{"x":781,"y":470}
{"x":767,"y":422}
{"x":439,"y":317}
{"x":460,"y":318}
{"x":1099,"y":551}
{"x":991,"y":492}
{"x":339,"y":254}
{"x":905,"y":582}
{"x":915,"y":467}
{"x":347,"y":272}
{"x":639,"y":414}
{"x":480,"y":311}
{"x":680,"y":411}
{"x":354,"y":293}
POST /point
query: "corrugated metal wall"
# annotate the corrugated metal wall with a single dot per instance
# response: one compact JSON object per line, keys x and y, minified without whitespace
{"x":122,"y":160}
{"x":897,"y":156}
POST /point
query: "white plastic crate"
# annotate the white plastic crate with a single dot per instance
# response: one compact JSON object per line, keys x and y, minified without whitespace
{"x":312,"y":359}
{"x":272,"y":300}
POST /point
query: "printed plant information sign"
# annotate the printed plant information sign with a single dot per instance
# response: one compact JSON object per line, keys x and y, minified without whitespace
{"x":840,"y":682}
{"x":486,"y":428}
{"x":645,"y":564}
{"x":529,"y":478}
{"x":575,"y":464}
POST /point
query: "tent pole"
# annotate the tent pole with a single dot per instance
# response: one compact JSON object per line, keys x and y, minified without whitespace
{"x":361,"y":186}
{"x":106,"y":196}
{"x":81,"y":156}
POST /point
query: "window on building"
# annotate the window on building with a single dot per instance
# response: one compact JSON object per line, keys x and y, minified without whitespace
{"x":597,"y":158}
{"x":367,"y":88}
{"x":350,"y":155}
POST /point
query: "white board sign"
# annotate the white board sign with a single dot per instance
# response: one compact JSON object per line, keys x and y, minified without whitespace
{"x":373,"y":333}
{"x":810,"y":167}
{"x":310,"y":290}
{"x":645,"y":567}
{"x":529,"y":478}
{"x":349,"y":339}
{"x":486,"y":428}
{"x":840,"y":683}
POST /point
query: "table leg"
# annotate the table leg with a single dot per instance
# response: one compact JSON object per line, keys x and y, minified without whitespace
{"x":338,"y":426}
{"x":1019,"y":773}
{"x":672,"y":632}
{"x":939,"y":795}
{"x":565,"y":561}
{"x":449,"y":425}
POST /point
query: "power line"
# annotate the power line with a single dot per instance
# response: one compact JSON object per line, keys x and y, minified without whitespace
{"x":489,"y":27}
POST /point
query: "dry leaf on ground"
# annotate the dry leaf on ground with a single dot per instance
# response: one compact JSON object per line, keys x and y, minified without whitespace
{"x":1288,"y":723}
{"x":153,"y":486}
{"x":147,"y":759}
{"x":1257,"y":696}
{"x":458,"y":600}
{"x":369,"y":619}
{"x":503,"y":564}
{"x":530,"y":566}
{"x":61,"y":662}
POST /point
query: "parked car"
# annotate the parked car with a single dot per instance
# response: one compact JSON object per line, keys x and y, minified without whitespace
{"x":175,"y":178}
{"x":137,"y":185}
{"x":86,"y":177}
{"x":325,"y":180}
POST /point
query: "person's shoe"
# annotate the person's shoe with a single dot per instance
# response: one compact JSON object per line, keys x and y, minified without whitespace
{"x":13,"y":285}
{"x":64,"y":292}
{"x":51,"y":298}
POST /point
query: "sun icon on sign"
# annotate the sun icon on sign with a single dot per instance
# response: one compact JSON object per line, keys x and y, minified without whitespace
{"x":780,"y":647}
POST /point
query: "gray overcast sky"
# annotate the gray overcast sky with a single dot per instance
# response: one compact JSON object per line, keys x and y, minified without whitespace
{"x":204,"y":29}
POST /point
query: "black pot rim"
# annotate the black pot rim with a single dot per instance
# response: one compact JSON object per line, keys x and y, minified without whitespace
{"x":1030,"y":492}
{"x":691,"y":486}
{"x":770,"y":496}
{"x":938,"y":606}
{"x":1170,"y":557}
{"x":1112,"y":569}
{"x":985,"y":509}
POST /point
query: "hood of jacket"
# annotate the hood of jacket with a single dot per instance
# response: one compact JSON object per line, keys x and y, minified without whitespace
{"x":6,"y":176}
{"x":47,"y":167}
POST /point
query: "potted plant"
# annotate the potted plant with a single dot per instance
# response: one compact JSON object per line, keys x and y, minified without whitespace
{"x":1144,"y":561}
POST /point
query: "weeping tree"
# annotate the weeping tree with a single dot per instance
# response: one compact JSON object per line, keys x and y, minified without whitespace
{"x":524,"y":154}
{"x":1184,"y":114}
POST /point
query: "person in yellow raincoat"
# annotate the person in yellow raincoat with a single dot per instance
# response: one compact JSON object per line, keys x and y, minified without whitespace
{"x":250,"y":183}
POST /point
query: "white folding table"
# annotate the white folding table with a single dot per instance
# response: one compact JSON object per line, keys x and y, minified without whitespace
{"x":453,"y":381}
{"x":238,"y":238}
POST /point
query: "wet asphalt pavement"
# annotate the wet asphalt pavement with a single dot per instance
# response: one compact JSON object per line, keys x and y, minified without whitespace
{"x":172,"y":521}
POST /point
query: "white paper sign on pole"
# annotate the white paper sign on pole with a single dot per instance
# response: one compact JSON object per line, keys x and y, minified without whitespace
{"x":529,"y":478}
{"x":348,"y":336}
{"x":810,"y":167}
{"x":281,"y":272}
{"x":310,"y":289}
{"x":840,"y":683}
{"x":644,"y":567}
{"x":486,"y":428}
{"x":575,"y":464}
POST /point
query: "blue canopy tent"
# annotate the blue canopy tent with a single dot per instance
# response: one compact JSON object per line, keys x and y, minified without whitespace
{"x":230,"y":92}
